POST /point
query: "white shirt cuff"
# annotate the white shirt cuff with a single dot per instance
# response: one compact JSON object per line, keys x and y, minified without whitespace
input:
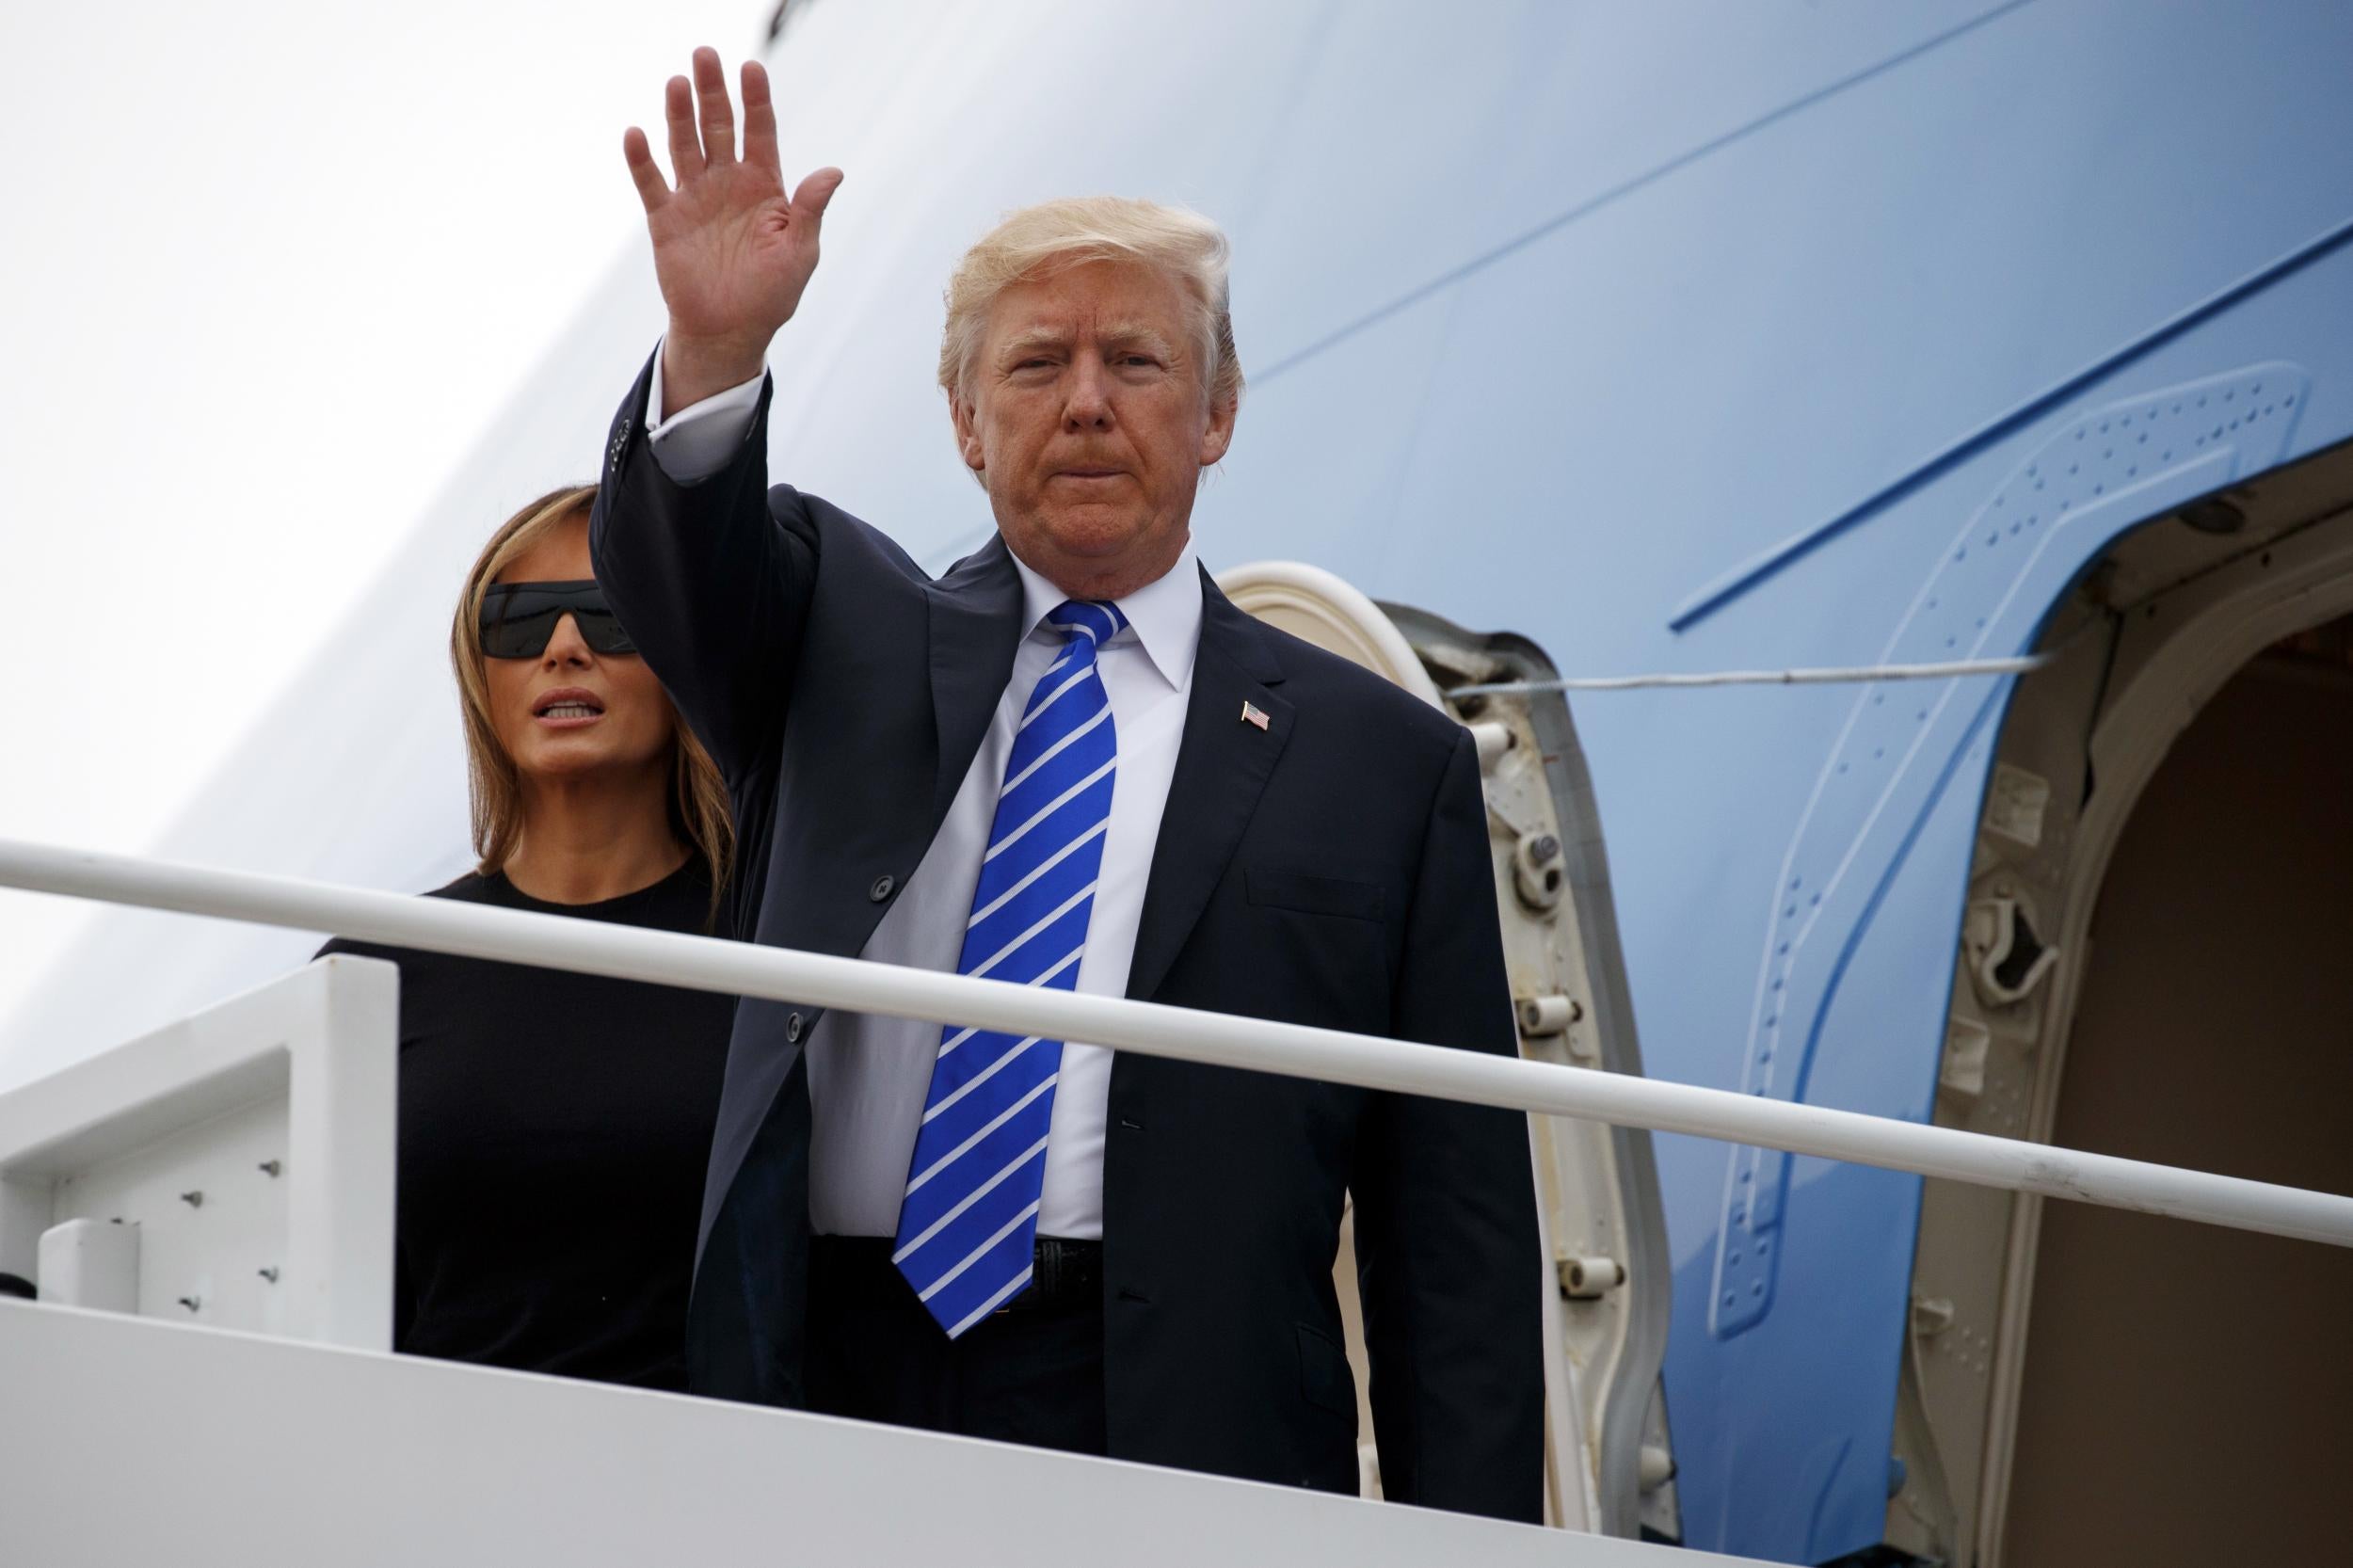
{"x":698,"y":441}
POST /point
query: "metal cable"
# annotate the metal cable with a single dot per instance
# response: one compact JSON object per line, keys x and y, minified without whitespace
{"x":2024,"y":665}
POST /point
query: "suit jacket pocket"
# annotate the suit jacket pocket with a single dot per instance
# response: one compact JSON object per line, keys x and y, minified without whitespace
{"x":1311,"y":894}
{"x":1324,"y":1378}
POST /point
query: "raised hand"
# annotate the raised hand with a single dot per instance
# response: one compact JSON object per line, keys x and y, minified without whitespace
{"x":731,"y":250}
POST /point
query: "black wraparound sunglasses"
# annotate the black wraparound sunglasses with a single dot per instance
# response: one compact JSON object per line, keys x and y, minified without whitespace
{"x":517,"y":618}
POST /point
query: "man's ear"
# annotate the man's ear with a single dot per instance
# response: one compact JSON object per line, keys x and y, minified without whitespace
{"x":1219,"y":434}
{"x":960,"y":411}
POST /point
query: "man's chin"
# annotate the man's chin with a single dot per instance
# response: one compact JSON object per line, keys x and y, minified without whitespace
{"x":1096,"y":534}
{"x":1092,"y":555}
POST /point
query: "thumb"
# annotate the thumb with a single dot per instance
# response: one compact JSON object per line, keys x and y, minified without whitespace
{"x":811,"y":200}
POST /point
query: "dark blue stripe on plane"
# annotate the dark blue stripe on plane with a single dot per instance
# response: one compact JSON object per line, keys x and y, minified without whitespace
{"x":1748,"y":575}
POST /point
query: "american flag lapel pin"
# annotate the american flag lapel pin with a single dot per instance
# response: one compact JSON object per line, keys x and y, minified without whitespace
{"x":1253,"y":713}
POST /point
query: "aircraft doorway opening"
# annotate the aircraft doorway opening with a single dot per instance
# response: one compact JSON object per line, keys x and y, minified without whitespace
{"x":2186,"y":1390}
{"x":2154,"y":963}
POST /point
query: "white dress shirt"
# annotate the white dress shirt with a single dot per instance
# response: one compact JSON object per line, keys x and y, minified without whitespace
{"x":868,"y":1075}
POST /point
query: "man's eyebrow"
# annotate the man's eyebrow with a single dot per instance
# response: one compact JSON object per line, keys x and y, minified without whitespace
{"x":1034,"y":338}
{"x":1136,"y":332}
{"x":1030,"y":340}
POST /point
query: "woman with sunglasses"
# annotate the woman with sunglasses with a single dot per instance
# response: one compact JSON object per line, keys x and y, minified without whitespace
{"x":554,"y":1127}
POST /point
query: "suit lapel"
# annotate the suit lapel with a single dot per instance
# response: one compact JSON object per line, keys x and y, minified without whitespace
{"x":975,"y":628}
{"x":1223,"y":765}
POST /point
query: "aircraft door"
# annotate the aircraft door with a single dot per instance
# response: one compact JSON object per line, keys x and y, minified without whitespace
{"x":2170,"y":782}
{"x":1604,"y":1273}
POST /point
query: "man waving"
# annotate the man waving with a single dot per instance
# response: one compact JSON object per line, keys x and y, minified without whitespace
{"x":1070,"y":761}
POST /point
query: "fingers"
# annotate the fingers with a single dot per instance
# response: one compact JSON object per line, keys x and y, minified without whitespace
{"x":718,"y":115}
{"x":652,"y":189}
{"x":815,"y":193}
{"x":760,"y":122}
{"x":686,"y":150}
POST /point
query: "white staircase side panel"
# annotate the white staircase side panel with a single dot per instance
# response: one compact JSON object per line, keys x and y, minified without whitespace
{"x":137,"y":1441}
{"x":248,"y":1150}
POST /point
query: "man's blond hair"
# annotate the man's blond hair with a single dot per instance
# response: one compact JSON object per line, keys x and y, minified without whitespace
{"x":1040,"y":241}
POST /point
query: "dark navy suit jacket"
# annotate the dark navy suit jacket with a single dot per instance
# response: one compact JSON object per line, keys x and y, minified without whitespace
{"x":1330,"y":869}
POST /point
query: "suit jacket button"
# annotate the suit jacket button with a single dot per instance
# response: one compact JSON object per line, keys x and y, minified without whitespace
{"x":793,"y":1029}
{"x":883,"y":887}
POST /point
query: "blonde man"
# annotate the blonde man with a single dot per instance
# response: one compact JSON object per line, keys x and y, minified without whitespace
{"x":1070,"y":761}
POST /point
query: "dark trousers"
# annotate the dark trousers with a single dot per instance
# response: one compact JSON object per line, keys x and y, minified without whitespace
{"x":1030,"y":1374}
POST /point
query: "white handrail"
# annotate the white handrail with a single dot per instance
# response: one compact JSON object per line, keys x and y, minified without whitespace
{"x":740,"y":968}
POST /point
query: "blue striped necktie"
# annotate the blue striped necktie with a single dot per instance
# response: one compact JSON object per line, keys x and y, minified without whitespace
{"x":968,"y":1226}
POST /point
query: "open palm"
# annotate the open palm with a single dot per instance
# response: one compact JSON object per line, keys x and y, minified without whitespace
{"x":733,"y":252}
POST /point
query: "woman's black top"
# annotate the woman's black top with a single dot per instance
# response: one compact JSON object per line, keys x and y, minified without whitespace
{"x":554,"y":1132}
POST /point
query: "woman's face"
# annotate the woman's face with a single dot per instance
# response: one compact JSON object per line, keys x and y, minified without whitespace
{"x":611,"y":717}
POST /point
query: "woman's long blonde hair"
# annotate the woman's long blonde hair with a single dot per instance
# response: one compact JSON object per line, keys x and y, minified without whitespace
{"x":698,"y":797}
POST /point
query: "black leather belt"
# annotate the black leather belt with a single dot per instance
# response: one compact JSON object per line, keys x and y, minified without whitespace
{"x":1064,"y":1273}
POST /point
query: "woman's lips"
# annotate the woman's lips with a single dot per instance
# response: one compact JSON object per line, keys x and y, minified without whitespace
{"x":566,"y":707}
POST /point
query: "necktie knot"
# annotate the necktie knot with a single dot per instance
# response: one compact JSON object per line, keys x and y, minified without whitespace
{"x":1092,"y":620}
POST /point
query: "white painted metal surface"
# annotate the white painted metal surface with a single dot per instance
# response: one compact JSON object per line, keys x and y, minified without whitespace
{"x":269,"y":1454}
{"x":245,"y":1150}
{"x":706,"y":964}
{"x":92,"y":1263}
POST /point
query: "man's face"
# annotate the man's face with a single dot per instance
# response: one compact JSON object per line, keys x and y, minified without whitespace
{"x":1086,"y":414}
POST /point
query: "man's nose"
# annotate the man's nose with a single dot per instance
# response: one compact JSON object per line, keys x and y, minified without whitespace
{"x":565,"y":646}
{"x":1088,"y":404}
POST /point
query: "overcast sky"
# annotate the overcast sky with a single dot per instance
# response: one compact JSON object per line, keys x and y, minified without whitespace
{"x":269,"y":268}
